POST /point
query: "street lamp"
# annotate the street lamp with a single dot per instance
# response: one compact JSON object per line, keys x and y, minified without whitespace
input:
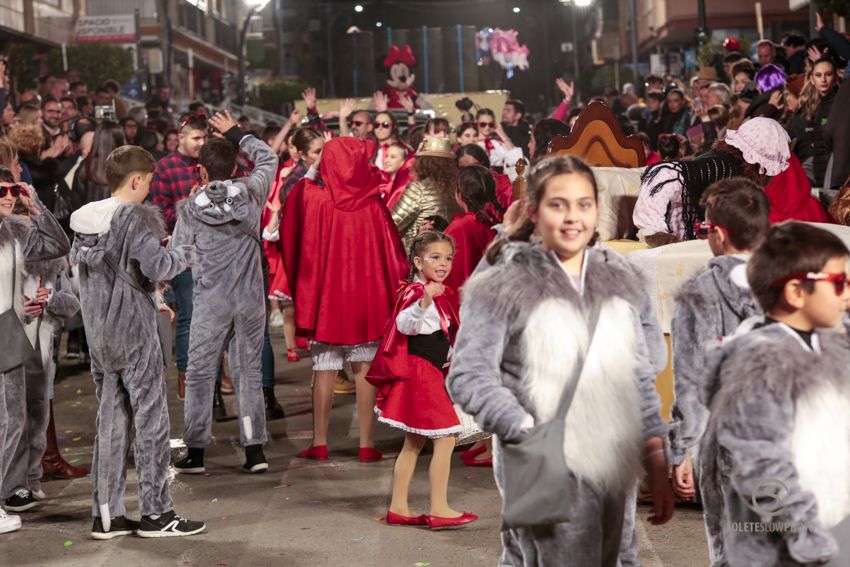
{"x":516,"y":10}
{"x":332,"y":18}
{"x":254,"y":6}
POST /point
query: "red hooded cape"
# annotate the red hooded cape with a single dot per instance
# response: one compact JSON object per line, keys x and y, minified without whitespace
{"x":342,"y":251}
{"x":278,"y":285}
{"x":791,"y":197}
{"x":471,"y":238}
{"x":392,"y":362}
{"x":504,"y":189}
{"x":393,"y":190}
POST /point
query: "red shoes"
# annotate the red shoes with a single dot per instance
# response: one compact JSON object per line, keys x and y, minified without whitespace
{"x":472,"y":453}
{"x":437,"y":523}
{"x":369,"y":455}
{"x":399,"y":520}
{"x":292,"y":355}
{"x":317,"y":453}
{"x":301,"y":342}
{"x":320,"y":453}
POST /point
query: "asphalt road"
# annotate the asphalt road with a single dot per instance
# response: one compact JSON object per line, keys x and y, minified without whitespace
{"x":300,"y":513}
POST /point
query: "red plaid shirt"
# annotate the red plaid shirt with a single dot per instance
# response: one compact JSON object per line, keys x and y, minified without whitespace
{"x":174,"y":177}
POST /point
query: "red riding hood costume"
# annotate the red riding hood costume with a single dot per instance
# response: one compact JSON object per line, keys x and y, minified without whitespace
{"x":408,"y":368}
{"x":341,"y":250}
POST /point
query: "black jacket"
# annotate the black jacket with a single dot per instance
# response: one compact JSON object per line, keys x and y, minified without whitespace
{"x":835,"y":134}
{"x":809,"y":136}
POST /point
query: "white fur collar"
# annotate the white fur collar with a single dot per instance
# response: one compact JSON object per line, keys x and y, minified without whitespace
{"x":9,"y":250}
{"x":822,"y":427}
{"x":603,"y":426}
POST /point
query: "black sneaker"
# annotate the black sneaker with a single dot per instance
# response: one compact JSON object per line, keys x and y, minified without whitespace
{"x":21,"y":501}
{"x":255,"y":460}
{"x":117,"y":527}
{"x":273,"y":409}
{"x":193,"y":463}
{"x":168,"y":524}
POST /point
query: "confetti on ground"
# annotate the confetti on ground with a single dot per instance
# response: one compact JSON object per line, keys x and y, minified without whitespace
{"x":77,"y":438}
{"x":68,"y":543}
{"x":361,"y":538}
{"x":221,"y":562}
{"x":79,"y":391}
{"x":380,"y":518}
{"x":422,"y":564}
{"x":67,"y":431}
{"x":223,"y":519}
{"x":74,"y":460}
{"x":214,"y":500}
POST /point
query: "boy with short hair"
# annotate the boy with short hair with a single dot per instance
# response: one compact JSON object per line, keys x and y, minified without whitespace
{"x":781,"y":417}
{"x":229,"y":299}
{"x":117,"y":246}
{"x":709,"y":306}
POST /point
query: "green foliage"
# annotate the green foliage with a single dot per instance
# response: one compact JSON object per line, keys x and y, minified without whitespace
{"x":707,"y":54}
{"x":274,"y":95}
{"x":96,"y":62}
{"x":25,"y":63}
{"x":604,"y":76}
{"x":840,"y":7}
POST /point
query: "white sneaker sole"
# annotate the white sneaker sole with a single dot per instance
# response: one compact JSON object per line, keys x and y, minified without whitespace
{"x":156,"y":534}
{"x":6,"y":526}
{"x":110,"y":535}
{"x":196,"y":470}
{"x":258,"y":468}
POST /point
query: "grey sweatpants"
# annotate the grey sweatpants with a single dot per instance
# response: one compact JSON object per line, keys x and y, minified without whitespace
{"x":13,"y":413}
{"x":242,"y":334}
{"x":24,"y":465}
{"x":139,"y":389}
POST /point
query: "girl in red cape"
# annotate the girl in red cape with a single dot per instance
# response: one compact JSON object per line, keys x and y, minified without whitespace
{"x":409,"y":373}
{"x":472,"y":231}
{"x":472,"y":154}
{"x":343,"y":259}
{"x":790,"y":195}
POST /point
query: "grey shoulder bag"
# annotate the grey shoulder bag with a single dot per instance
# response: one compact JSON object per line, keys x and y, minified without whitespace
{"x":17,"y":348}
{"x":537,"y":489}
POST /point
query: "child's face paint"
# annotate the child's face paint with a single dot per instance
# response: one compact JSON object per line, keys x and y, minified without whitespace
{"x":435,"y":264}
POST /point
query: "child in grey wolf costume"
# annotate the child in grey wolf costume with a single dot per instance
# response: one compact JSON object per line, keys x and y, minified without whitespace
{"x":25,"y":469}
{"x":780,"y":419}
{"x":20,"y":241}
{"x":118,"y":249}
{"x":709,"y":306}
{"x":508,"y":390}
{"x":222,"y":221}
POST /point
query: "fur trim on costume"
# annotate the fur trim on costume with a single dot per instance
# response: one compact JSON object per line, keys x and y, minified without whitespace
{"x":604,"y":411}
{"x":11,"y":232}
{"x":822,"y":427}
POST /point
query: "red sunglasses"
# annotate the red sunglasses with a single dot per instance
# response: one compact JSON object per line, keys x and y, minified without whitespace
{"x":486,"y":124}
{"x":705,"y":228}
{"x":15,"y":190}
{"x":839,"y":279}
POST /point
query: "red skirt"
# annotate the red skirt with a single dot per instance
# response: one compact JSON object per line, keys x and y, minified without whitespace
{"x":419,"y":404}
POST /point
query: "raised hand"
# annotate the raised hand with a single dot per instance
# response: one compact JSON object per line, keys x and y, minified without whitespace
{"x":309,"y":96}
{"x":380,"y":101}
{"x":222,"y":121}
{"x":295,"y":117}
{"x":346,"y":108}
{"x":566,"y":88}
{"x":26,"y":199}
{"x":33,"y":308}
{"x":818,"y":22}
{"x":407,"y":103}
{"x":814,"y":54}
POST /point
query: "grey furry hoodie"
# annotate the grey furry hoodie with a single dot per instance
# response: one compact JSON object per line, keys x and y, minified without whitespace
{"x":781,"y":423}
{"x":522,"y":325}
{"x":709,"y":306}
{"x":117,"y":316}
{"x":23,"y":242}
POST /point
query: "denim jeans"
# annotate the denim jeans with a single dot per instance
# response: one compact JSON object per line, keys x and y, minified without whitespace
{"x":268,"y":353}
{"x":181,"y":286}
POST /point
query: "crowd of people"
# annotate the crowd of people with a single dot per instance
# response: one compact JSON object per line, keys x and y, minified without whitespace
{"x":512,"y":320}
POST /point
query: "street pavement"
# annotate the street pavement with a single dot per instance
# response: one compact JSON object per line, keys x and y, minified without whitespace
{"x":300,"y":513}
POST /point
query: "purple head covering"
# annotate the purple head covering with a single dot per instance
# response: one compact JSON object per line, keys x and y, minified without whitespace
{"x":770,"y":76}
